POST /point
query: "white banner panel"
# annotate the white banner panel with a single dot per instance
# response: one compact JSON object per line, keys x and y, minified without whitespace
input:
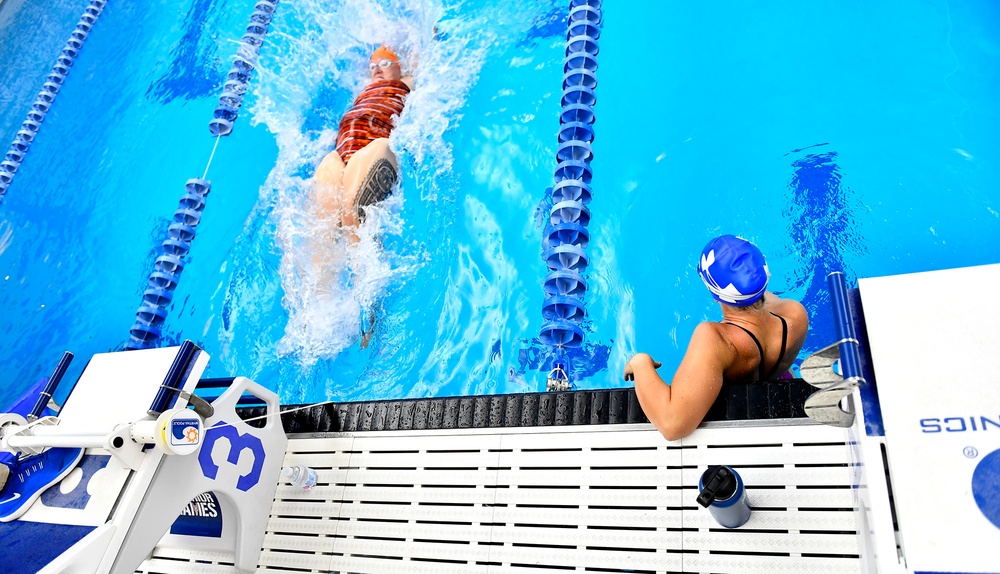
{"x":935,"y":341}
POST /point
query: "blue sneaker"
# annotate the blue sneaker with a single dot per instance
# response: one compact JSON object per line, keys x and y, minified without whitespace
{"x":30,"y":477}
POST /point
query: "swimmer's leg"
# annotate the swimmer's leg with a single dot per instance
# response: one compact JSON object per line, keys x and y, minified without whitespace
{"x":368,"y":179}
{"x":367,"y":330}
{"x":325,"y":197}
{"x":328,"y":185}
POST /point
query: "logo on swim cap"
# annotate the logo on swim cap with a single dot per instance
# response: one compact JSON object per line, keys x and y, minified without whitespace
{"x":734,"y":270}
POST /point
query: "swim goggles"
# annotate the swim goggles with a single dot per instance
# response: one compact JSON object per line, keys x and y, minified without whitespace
{"x":383,"y":63}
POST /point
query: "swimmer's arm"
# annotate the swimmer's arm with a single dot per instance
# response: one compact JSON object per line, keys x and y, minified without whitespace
{"x":677,"y":409}
{"x":408,"y":80}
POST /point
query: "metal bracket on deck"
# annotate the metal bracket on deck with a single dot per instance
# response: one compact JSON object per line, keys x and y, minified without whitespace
{"x":824,"y":405}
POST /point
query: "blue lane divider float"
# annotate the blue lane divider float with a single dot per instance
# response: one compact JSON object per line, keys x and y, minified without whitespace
{"x":243,"y":65}
{"x":564,"y":247}
{"x":29,"y":129}
{"x":167,"y":267}
{"x":152,"y":313}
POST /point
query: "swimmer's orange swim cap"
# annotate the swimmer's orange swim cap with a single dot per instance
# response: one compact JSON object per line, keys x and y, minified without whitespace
{"x":383,"y":52}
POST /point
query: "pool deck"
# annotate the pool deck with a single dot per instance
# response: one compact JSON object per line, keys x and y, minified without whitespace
{"x":615,"y":498}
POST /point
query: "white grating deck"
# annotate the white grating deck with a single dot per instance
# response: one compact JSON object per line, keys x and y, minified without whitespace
{"x":594,"y":499}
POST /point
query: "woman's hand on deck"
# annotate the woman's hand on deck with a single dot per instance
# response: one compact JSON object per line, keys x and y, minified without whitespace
{"x":639,"y":358}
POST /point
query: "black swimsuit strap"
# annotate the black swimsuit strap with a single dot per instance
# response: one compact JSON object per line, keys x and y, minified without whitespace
{"x":784,"y":341}
{"x":781,"y":355}
{"x":755,"y":342}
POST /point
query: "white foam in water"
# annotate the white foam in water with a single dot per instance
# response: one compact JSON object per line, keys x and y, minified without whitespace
{"x":331,"y":285}
{"x":6,"y":236}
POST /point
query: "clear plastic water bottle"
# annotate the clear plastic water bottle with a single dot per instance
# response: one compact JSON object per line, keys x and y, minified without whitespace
{"x":300,"y":475}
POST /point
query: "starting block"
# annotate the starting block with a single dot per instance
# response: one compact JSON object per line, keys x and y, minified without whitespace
{"x":133,"y":478}
{"x":921,"y":387}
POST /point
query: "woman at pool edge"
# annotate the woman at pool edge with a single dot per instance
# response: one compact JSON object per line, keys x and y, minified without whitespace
{"x":759,"y":337}
{"x":361,"y":170}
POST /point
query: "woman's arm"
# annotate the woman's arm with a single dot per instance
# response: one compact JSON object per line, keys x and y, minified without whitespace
{"x":677,"y":409}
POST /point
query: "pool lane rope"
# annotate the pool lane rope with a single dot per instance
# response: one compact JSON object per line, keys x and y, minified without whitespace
{"x":168,"y":265}
{"x":29,"y":129}
{"x":565,"y":242}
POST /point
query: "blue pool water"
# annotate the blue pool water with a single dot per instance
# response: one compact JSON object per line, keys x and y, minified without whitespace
{"x":851,"y":137}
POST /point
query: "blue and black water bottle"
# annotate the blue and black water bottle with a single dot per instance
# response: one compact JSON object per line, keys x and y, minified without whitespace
{"x":721,"y":492}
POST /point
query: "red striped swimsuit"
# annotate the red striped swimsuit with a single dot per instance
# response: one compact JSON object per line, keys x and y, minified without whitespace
{"x":371,"y":116}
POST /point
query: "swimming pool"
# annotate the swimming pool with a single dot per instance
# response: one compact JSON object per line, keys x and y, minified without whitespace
{"x":850,"y":137}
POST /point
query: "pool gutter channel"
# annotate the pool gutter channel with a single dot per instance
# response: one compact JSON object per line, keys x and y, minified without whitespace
{"x":738,"y":404}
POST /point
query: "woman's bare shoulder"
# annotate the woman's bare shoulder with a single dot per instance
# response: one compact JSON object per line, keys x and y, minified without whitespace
{"x":788,"y":308}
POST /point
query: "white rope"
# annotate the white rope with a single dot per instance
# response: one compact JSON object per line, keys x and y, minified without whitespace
{"x":211,"y":157}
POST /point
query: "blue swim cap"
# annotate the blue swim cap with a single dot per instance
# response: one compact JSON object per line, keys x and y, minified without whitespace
{"x":734,"y":270}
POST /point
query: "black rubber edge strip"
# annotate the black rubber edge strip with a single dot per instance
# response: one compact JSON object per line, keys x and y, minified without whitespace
{"x":736,"y":402}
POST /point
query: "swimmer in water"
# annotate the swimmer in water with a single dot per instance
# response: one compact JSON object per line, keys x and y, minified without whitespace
{"x":361,"y":170}
{"x":758,"y":339}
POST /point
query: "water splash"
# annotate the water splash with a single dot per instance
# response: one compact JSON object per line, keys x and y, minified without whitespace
{"x":332,"y":286}
{"x":314,"y":65}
